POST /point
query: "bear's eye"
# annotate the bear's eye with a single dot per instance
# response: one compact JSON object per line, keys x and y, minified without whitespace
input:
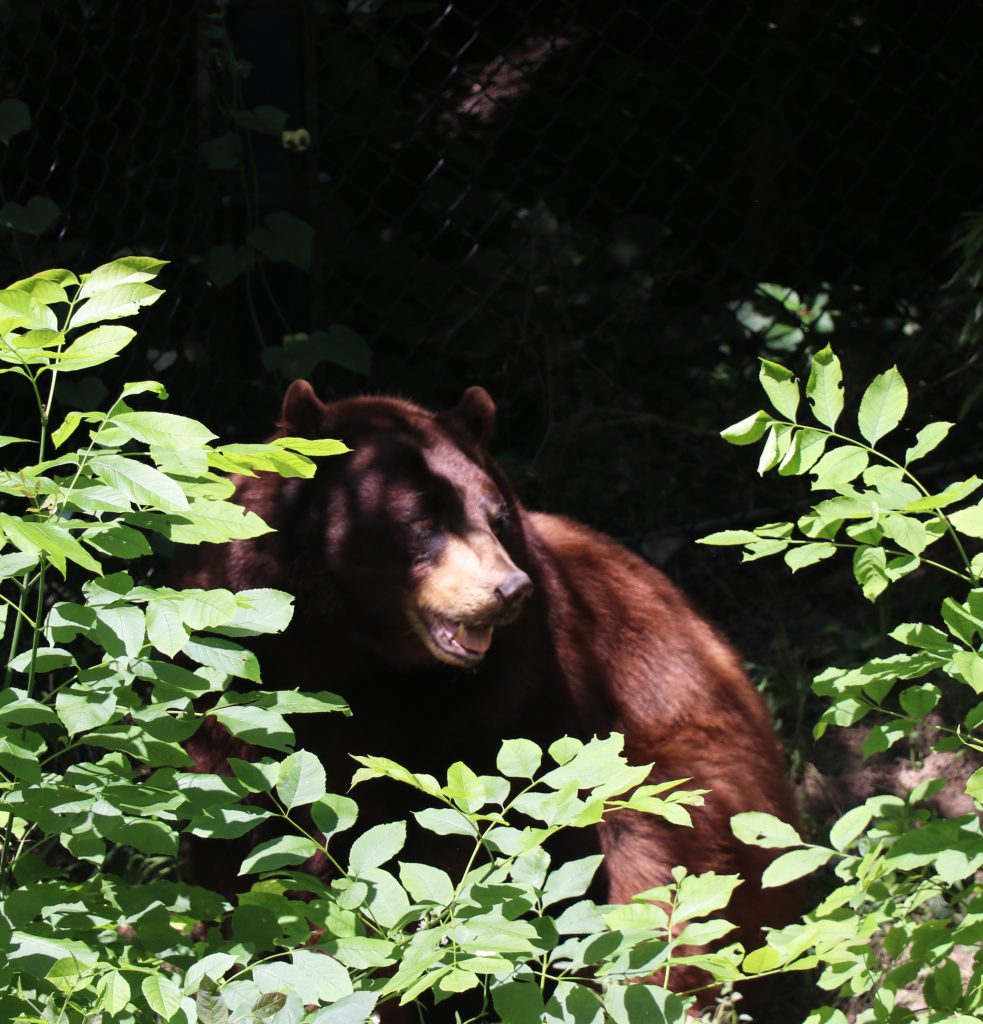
{"x":500,"y":522}
{"x":424,"y":525}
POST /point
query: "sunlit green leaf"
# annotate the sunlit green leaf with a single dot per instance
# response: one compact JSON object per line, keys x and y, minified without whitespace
{"x":301,"y":780}
{"x":927,"y":440}
{"x":781,"y":387}
{"x":883,"y":405}
{"x":277,"y":853}
{"x":824,"y":389}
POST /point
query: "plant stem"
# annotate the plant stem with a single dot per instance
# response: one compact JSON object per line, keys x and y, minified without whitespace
{"x":37,"y":629}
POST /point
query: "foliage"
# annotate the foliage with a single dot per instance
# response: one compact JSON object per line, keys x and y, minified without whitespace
{"x":97,"y":789}
{"x":279,"y":236}
{"x":909,"y":897}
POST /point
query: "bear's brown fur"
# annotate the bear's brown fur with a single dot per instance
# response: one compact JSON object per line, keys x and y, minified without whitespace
{"x":450,"y":617}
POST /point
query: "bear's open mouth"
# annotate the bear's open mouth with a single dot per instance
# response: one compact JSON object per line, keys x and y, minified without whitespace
{"x":460,"y":643}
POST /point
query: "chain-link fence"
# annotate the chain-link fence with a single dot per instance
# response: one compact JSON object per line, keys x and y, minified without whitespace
{"x":563,"y":201}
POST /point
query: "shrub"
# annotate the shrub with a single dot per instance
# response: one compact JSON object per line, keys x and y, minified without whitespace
{"x":903,"y":927}
{"x":96,"y":788}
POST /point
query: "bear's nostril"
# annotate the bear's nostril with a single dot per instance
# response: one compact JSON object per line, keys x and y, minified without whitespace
{"x":515,"y":588}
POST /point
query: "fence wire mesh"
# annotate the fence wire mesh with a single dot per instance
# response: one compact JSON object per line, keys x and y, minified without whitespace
{"x":562,"y":201}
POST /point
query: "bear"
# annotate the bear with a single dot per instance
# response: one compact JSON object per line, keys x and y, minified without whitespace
{"x":450,"y":617}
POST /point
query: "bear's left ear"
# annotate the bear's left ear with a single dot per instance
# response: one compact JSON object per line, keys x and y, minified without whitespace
{"x":475,"y":412}
{"x":303,"y":412}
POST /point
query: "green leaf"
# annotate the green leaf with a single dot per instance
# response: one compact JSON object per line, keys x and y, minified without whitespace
{"x":960,"y":621}
{"x":793,"y":865}
{"x":426,"y":884}
{"x":55,"y":541}
{"x":839,"y":467}
{"x":702,"y":895}
{"x":259,"y":612}
{"x":141,"y":483}
{"x":203,"y":609}
{"x":353,"y":1009}
{"x":117,"y":540}
{"x":974,"y":786}
{"x":776,"y":446}
{"x":32,"y":314}
{"x":284,"y":236}
{"x":919,"y":634}
{"x":301,"y":780}
{"x":781,"y":387}
{"x":760,"y":829}
{"x":968,"y":521}
{"x":870,"y":571}
{"x":849,"y":827}
{"x":519,"y":759}
{"x":70,"y":424}
{"x":752,"y":428}
{"x":120,"y":629}
{"x":805,"y":449}
{"x":210,"y":1005}
{"x":953,"y":493}
{"x":302,"y":354}
{"x":163,"y":429}
{"x":30,"y":218}
{"x":165,"y":628}
{"x":268,"y":1005}
{"x":944,"y":986}
{"x":725,"y":538}
{"x":927,"y":439}
{"x":94,"y":348}
{"x":224,"y":152}
{"x":906,"y":532}
{"x":918,"y":701}
{"x":464,"y":787}
{"x":113,"y":993}
{"x":374,"y":847}
{"x":333,"y":813}
{"x":267,"y":119}
{"x":46,"y":659}
{"x":204,"y":521}
{"x":15,"y":117}
{"x":113,"y":303}
{"x":808,"y":554}
{"x":883,"y":405}
{"x":256,"y":725}
{"x":570,"y":879}
{"x":824,"y":389}
{"x":20,"y":751}
{"x":311,"y":446}
{"x":277,"y":853}
{"x":224,"y":655}
{"x":519,"y":1002}
{"x":126,"y":270}
{"x":81,"y":709}
{"x":446,"y":821}
{"x":163,"y":995}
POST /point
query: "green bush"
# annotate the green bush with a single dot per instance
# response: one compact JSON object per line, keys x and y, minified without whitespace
{"x":909,"y":910}
{"x":96,"y":788}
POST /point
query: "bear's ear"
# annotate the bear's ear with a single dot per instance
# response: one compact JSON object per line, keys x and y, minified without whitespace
{"x":475,"y":413}
{"x":303,"y":412}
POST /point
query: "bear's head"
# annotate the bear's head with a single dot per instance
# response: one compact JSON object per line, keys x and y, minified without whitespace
{"x":414,"y":536}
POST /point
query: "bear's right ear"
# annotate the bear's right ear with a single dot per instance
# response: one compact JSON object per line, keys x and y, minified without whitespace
{"x":303,"y":412}
{"x":475,"y":412}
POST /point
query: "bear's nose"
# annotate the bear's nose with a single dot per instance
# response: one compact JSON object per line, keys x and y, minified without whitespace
{"x":514,"y":589}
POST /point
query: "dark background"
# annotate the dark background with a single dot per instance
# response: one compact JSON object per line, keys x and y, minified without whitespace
{"x":573,"y":204}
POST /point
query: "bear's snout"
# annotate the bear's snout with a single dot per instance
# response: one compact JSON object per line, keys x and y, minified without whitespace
{"x":514,"y":589}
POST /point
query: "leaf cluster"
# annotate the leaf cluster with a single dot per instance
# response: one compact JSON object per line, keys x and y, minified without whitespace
{"x":909,"y":895}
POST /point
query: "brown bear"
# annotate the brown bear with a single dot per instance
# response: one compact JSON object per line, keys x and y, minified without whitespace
{"x":450,"y":618}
